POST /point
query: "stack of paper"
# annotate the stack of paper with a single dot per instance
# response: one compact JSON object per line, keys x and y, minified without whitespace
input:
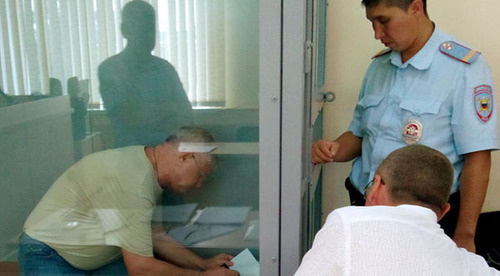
{"x":174,"y":213}
{"x":210,"y":223}
{"x":193,"y":233}
{"x":223,"y":215}
{"x":252,"y":233}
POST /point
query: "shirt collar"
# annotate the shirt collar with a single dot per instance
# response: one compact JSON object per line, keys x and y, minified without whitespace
{"x":423,"y":59}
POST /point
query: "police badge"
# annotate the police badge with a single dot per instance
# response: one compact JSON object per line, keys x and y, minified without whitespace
{"x":412,"y":131}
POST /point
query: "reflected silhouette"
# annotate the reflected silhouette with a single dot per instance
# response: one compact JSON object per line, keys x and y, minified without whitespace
{"x":143,"y":95}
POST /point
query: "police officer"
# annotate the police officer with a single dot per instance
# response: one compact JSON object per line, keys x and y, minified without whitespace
{"x":425,"y":88}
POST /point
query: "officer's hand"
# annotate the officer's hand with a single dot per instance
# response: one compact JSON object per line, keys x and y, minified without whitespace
{"x":220,"y":272}
{"x":324,"y":151}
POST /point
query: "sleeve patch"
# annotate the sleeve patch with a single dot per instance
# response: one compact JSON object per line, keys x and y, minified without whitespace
{"x":459,"y":52}
{"x":483,"y":102}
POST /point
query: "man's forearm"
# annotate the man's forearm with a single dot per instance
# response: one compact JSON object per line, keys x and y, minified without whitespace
{"x":140,"y":265}
{"x":473,"y":185}
{"x":349,"y":147}
{"x":176,"y":253}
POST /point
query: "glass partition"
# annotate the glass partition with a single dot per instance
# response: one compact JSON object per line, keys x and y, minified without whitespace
{"x":83,"y":77}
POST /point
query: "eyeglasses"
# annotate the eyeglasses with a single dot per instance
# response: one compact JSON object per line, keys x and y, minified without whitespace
{"x":367,"y":187}
{"x":370,"y":184}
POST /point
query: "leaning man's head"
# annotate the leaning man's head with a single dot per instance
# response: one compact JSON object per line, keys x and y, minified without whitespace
{"x":185,"y":170}
{"x":419,"y":175}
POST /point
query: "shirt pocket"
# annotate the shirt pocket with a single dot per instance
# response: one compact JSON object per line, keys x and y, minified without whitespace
{"x":419,"y":107}
{"x":429,"y":114}
{"x":372,"y":111}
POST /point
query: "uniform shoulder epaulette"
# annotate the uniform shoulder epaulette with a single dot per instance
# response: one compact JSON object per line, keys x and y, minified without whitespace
{"x":382,"y":53}
{"x":459,"y":52}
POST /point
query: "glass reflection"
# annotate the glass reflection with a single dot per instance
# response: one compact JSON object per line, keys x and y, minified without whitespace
{"x":76,"y":81}
{"x":142,"y":94}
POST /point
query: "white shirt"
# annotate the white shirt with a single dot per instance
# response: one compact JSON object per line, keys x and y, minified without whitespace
{"x":386,"y":240}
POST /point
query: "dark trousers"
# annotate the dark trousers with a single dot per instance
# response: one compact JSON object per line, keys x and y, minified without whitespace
{"x":488,"y":238}
{"x":448,"y":222}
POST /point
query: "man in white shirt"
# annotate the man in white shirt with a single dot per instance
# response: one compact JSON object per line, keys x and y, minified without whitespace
{"x":398,"y":233}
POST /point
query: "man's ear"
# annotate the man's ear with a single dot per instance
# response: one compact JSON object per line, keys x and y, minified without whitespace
{"x":416,"y":6}
{"x":184,"y":156}
{"x":375,"y":193}
{"x":445,"y":210}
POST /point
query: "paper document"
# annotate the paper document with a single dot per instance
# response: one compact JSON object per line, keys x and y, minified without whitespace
{"x":194,"y":233}
{"x":223,"y":215}
{"x":246,"y":264}
{"x":252,"y":233}
{"x":174,"y":213}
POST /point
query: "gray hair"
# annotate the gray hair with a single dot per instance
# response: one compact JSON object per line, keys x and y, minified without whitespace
{"x":418,"y":174}
{"x":193,"y":134}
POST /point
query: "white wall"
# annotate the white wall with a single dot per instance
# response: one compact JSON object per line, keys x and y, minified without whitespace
{"x":350,"y":46}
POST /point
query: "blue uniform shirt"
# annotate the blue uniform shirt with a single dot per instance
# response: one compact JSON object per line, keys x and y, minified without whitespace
{"x":451,"y":102}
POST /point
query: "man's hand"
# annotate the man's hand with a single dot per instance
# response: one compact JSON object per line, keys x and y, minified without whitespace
{"x":465,"y":242}
{"x":345,"y":148}
{"x":324,"y":151}
{"x":218,"y":261}
{"x":220,"y":272}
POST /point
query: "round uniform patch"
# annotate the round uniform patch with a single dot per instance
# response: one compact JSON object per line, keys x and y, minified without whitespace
{"x":483,"y":102}
{"x":412,"y":131}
